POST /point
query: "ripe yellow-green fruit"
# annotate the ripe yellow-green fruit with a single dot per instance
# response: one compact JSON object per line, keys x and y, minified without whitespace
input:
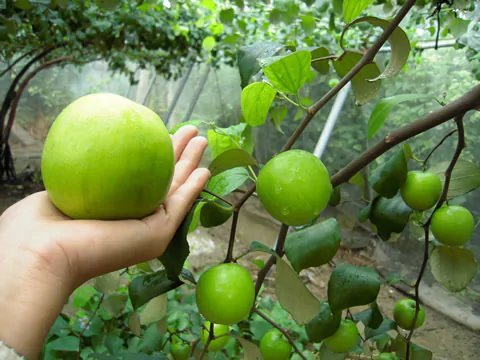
{"x":452,"y":225}
{"x":421,"y":190}
{"x":220,"y":333}
{"x":345,"y":339}
{"x":225,"y":294}
{"x":294,"y":187}
{"x":274,"y":346}
{"x":107,"y":157}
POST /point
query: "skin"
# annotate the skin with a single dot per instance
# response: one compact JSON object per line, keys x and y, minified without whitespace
{"x":46,"y":255}
{"x":404,"y":313}
{"x":225,"y":294}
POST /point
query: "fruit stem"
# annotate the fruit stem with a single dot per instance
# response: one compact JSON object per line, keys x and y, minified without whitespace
{"x":450,"y":133}
{"x":426,"y":226}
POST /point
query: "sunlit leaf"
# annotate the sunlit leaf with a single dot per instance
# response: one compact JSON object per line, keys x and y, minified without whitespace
{"x":289,"y":73}
{"x":351,"y":285}
{"x":353,"y":8}
{"x":256,"y":100}
{"x":233,"y":137}
{"x":308,"y":23}
{"x":453,"y":267}
{"x":228,"y":181}
{"x":231,"y":159}
{"x":209,"y":43}
{"x":322,"y":66}
{"x":304,"y":305}
{"x":363,"y":89}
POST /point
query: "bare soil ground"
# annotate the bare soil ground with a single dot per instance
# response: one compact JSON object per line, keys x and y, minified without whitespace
{"x":449,"y":340}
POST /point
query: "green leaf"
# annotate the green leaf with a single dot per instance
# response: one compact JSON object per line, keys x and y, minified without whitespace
{"x":234,"y":137}
{"x":358,"y":179}
{"x":335,"y":197}
{"x":107,"y":4}
{"x":258,"y":246}
{"x":371,"y":317}
{"x":313,"y":246}
{"x":65,"y":343}
{"x":465,"y":177}
{"x":209,"y":4}
{"x":197,"y":209}
{"x":277,"y":114}
{"x":326,"y":354}
{"x":399,"y":44}
{"x":146,"y":287}
{"x":399,"y":346}
{"x":155,"y":310}
{"x":231,"y":159}
{"x":304,"y":305}
{"x":363,"y":89}
{"x":289,"y":73}
{"x":256,"y":100}
{"x":351,"y":285}
{"x":114,"y":304}
{"x":209,"y":43}
{"x":82,"y":295}
{"x":453,"y":267}
{"x":389,"y":215}
{"x":384,"y":327}
{"x":353,"y":8}
{"x":322,"y":66}
{"x":248,"y":56}
{"x":215,"y":213}
{"x":226,"y":16}
{"x":308,"y":24}
{"x":383,"y":108}
{"x":228,"y":181}
{"x":108,"y":283}
{"x":250,"y":350}
{"x":388,"y":177}
{"x":458,"y":26}
{"x":177,"y":250}
{"x":324,"y":324}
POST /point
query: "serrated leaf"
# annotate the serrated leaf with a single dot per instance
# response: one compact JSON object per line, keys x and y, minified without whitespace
{"x":387,"y":178}
{"x":304,"y":305}
{"x":453,"y":267}
{"x":399,"y":44}
{"x":178,"y":249}
{"x":227,"y":181}
{"x":389,"y":215}
{"x":154,"y":311}
{"x":383,"y":108}
{"x":248,"y":58}
{"x":363,"y":89}
{"x":250,"y":350}
{"x":108,"y":283}
{"x":215,"y":213}
{"x":353,"y":8}
{"x":144,"y":288}
{"x":231,"y":159}
{"x":465,"y":177}
{"x":256,"y":100}
{"x":313,"y":246}
{"x":322,"y":66}
{"x":351,"y":285}
{"x":289,"y":73}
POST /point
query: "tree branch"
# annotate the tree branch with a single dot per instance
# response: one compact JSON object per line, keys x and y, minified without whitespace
{"x":16,"y":61}
{"x":282,"y":330}
{"x":426,"y":226}
{"x":468,"y":101}
{"x":450,"y":133}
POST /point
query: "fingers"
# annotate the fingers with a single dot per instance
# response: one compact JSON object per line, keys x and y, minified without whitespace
{"x":179,"y":203}
{"x":181,"y":138}
{"x":188,"y":162}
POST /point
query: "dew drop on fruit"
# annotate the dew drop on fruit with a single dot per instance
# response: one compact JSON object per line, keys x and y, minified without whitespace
{"x":285,"y":211}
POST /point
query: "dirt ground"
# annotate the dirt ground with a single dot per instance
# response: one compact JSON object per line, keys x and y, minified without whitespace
{"x":448,"y":339}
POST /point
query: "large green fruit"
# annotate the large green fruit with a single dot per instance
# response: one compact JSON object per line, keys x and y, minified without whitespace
{"x":452,"y":225}
{"x":345,"y":339}
{"x":421,"y":190}
{"x":220,"y":333}
{"x":294,"y":187}
{"x":274,"y":346}
{"x":324,"y":324}
{"x":404,"y":313}
{"x":107,"y":157}
{"x":225,"y":294}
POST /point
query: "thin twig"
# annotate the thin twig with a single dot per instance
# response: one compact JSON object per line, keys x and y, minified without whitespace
{"x":209,"y":340}
{"x":279,"y":251}
{"x":231,"y":240}
{"x":426,"y":226}
{"x":437,"y":146}
{"x":217,"y":196}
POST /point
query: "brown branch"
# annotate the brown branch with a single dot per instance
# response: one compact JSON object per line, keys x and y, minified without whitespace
{"x":426,"y":226}
{"x":211,"y":336}
{"x":279,"y":250}
{"x":468,"y":101}
{"x":282,"y":330}
{"x":450,"y":133}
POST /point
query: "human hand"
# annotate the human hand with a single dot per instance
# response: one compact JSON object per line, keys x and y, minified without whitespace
{"x":46,"y":255}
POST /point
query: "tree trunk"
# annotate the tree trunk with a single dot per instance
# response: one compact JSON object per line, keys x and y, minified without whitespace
{"x":7,"y":169}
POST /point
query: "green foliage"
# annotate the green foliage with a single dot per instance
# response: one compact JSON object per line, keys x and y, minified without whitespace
{"x":387,"y":178}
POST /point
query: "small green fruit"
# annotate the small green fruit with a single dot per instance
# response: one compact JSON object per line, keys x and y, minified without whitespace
{"x":404,"y":313}
{"x":324,"y":324}
{"x":220,"y":332}
{"x":421,"y":190}
{"x":274,"y":346}
{"x":452,"y":225}
{"x":345,"y":339}
{"x":180,"y":351}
